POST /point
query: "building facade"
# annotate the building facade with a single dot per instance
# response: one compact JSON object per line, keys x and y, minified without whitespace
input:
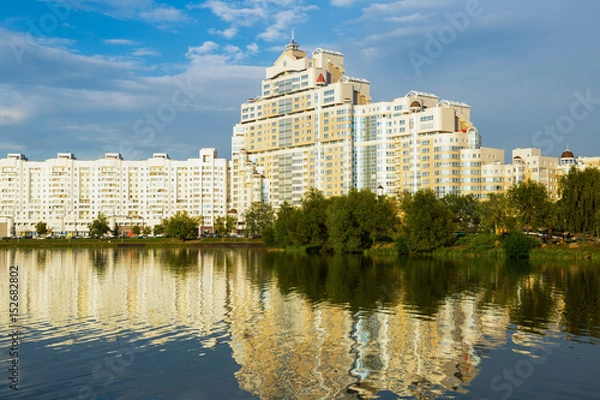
{"x":314,"y":127}
{"x":68,"y":194}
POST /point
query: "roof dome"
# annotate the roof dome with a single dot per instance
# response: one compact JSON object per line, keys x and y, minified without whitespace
{"x":567,"y":154}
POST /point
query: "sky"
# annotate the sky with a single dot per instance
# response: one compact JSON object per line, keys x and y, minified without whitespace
{"x":146,"y":76}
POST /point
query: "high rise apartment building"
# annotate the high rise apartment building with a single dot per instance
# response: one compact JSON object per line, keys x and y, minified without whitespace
{"x":299,"y":132}
{"x":314,"y":127}
{"x":68,"y":194}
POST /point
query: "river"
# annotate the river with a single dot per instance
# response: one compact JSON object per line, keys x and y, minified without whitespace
{"x":243,"y":324}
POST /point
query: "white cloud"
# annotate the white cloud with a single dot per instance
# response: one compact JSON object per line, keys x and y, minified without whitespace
{"x":11,"y":147}
{"x":283,"y":22}
{"x":239,"y":16}
{"x":141,"y":52}
{"x":406,"y":18}
{"x":207,"y":53}
{"x":205,"y":48}
{"x":231,"y":49}
{"x":120,"y":42}
{"x":11,"y":116}
{"x":277,"y":15}
{"x":379,"y":9}
{"x":162,"y":13}
{"x":342,"y":3}
{"x":14,"y":107}
{"x":144,"y":10}
{"x":252,"y":48}
{"x":228,"y":33}
{"x":403,"y":31}
{"x":370,"y":53}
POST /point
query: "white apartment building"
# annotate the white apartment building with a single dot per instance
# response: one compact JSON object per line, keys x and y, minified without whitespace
{"x":529,"y":163}
{"x":314,"y":127}
{"x":68,"y":194}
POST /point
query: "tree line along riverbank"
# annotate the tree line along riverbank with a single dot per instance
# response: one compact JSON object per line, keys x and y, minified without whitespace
{"x":521,"y":223}
{"x":461,"y":249}
{"x":130,"y":242}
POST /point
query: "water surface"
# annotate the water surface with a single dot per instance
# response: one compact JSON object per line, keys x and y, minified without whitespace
{"x":242,"y":324}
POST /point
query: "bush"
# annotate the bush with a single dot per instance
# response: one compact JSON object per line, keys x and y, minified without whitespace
{"x":483,"y":241}
{"x":518,"y":245}
{"x":402,"y":247}
{"x":268,"y":236}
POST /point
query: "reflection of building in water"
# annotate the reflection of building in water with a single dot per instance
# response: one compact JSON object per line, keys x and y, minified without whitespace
{"x":107,"y":291}
{"x":286,"y":346}
{"x":324,"y":351}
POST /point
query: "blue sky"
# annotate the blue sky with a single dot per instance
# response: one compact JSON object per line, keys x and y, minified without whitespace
{"x":145,"y":76}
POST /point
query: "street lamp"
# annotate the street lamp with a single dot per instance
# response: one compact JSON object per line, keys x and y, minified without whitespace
{"x":379,"y":191}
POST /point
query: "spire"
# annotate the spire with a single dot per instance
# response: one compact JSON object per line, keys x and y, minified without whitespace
{"x":292,"y":45}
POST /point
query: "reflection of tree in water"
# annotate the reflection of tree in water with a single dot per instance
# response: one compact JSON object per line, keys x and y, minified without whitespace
{"x":582,"y":301}
{"x":180,"y":261}
{"x":41,"y":258}
{"x":528,"y":291}
{"x":351,"y":280}
{"x":533,"y":301}
{"x":427,"y":283}
{"x":99,"y":258}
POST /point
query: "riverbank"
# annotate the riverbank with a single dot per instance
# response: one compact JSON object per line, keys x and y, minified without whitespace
{"x":130,"y":242}
{"x":580,"y":251}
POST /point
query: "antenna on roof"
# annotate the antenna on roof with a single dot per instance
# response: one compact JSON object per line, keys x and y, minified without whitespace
{"x":292,"y":45}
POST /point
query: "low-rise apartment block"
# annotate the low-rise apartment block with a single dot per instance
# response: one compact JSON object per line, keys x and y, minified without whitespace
{"x":68,"y":194}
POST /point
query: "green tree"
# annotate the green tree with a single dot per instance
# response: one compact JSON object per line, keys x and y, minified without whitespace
{"x":99,"y":227}
{"x":465,"y":210}
{"x":496,"y":214}
{"x":426,"y":222}
{"x":285,"y":226}
{"x":159,"y":229}
{"x":579,"y":202}
{"x":311,"y":229}
{"x":355,"y":221}
{"x":225,"y":225}
{"x":533,"y":205}
{"x":182,"y":226}
{"x":377,"y":216}
{"x":136,"y":230}
{"x":344,"y":232}
{"x":258,"y":217}
{"x":41,"y":228}
{"x":147,"y":230}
